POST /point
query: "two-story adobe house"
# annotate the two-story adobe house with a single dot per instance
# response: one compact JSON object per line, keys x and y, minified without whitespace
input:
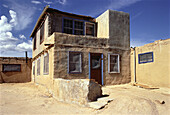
{"x":72,"y":46}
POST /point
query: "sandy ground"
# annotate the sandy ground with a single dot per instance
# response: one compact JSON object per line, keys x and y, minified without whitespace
{"x":27,"y":98}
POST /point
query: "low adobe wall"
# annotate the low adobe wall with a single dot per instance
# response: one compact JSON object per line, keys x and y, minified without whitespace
{"x":155,"y":73}
{"x":15,"y":77}
{"x":78,"y":91}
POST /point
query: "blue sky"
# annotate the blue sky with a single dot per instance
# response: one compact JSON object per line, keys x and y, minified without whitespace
{"x":149,"y":19}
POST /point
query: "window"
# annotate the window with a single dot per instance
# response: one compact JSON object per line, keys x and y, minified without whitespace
{"x":75,"y":62}
{"x":68,"y":26}
{"x":113,"y":63}
{"x":33,"y":68}
{"x":89,"y":29}
{"x":42,"y":33}
{"x":78,"y":28}
{"x":145,"y":57}
{"x":34,"y":46}
{"x":46,"y":63}
{"x":38,"y":66}
{"x":11,"y":67}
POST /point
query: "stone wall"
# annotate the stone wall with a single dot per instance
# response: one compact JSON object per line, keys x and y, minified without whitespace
{"x":78,"y":91}
{"x":65,"y":43}
{"x":15,"y":77}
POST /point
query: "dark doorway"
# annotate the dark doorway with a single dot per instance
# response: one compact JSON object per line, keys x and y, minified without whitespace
{"x":95,"y":67}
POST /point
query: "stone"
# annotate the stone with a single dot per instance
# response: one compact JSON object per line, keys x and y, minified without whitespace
{"x":97,"y":105}
{"x":105,"y":99}
{"x":78,"y":91}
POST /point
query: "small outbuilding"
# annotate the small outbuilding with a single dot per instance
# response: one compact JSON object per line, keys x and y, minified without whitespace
{"x":15,"y":69}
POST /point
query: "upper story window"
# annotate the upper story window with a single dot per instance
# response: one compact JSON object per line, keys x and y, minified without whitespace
{"x":145,"y":57}
{"x":78,"y":27}
{"x":42,"y":33}
{"x":89,"y":29}
{"x":68,"y":26}
{"x":34,"y":44}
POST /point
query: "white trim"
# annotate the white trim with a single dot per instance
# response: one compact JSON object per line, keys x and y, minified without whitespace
{"x":109,"y":63}
{"x":45,"y":54}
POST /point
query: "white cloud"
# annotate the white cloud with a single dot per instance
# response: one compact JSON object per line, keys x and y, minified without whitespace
{"x":10,"y":45}
{"x":4,"y":5}
{"x":35,"y":2}
{"x":24,"y":15}
{"x":62,"y":2}
{"x":24,"y":46}
{"x":13,"y":15}
{"x":118,"y":4}
{"x":48,"y":2}
{"x":22,"y":36}
{"x":4,"y":25}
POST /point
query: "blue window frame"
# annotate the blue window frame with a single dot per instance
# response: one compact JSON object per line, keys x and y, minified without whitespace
{"x":145,"y":57}
{"x":74,"y":62}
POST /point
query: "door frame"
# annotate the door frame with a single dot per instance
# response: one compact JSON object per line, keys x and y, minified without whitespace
{"x":101,"y":66}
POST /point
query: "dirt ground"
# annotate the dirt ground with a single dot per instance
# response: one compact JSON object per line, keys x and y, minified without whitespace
{"x":27,"y":98}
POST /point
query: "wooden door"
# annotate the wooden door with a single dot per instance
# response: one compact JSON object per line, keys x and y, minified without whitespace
{"x":95,"y":67}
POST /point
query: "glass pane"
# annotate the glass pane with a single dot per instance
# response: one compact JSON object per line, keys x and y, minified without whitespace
{"x":114,"y":63}
{"x":96,"y":63}
{"x":78,"y":32}
{"x":78,"y":25}
{"x":68,"y":23}
{"x":89,"y":29}
{"x":74,"y":62}
{"x":146,"y":57}
{"x":11,"y":67}
{"x":113,"y":58}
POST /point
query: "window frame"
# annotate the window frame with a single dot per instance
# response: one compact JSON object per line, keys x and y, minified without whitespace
{"x":68,"y":69}
{"x":12,"y":70}
{"x":111,"y":54}
{"x":33,"y":68}
{"x":93,"y":30}
{"x":44,"y":72}
{"x":73,"y":28}
{"x":39,"y":73}
{"x":145,"y":61}
{"x":42,"y":30}
{"x":35,"y":42}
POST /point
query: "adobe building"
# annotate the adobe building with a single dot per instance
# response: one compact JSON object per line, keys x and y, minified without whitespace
{"x":71,"y":46}
{"x":15,"y":69}
{"x":150,"y":64}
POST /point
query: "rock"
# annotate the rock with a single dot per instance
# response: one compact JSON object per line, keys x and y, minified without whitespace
{"x":79,"y":91}
{"x":105,"y":99}
{"x":160,"y":101}
{"x":97,"y":105}
{"x":95,"y":91}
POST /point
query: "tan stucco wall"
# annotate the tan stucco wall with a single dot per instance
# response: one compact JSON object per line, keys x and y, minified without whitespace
{"x":16,"y":77}
{"x":155,"y":73}
{"x":115,"y":26}
{"x":42,"y":79}
{"x":103,"y":25}
{"x":40,"y":47}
